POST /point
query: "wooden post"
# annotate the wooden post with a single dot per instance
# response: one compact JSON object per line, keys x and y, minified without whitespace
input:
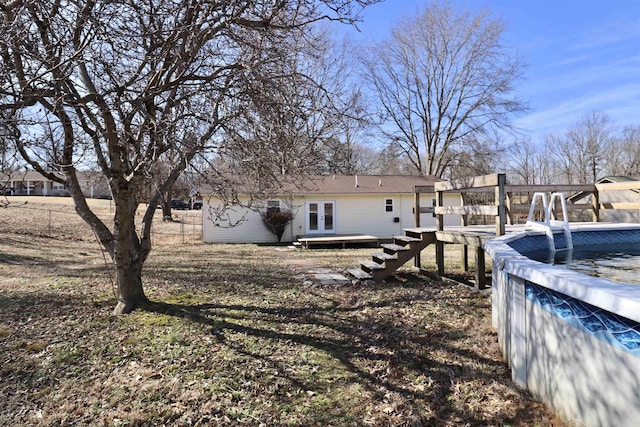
{"x":595,"y":203}
{"x":416,"y":208}
{"x":500,"y":203}
{"x":481,"y":280}
{"x":439,"y":227}
{"x":417,"y":262}
{"x":508,"y":207}
{"x":464,"y":260}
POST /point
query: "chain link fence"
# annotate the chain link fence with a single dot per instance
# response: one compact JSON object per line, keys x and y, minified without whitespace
{"x":61,"y":221}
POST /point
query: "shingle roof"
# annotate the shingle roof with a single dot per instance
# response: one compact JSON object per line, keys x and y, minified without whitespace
{"x":25,"y":176}
{"x":618,"y":179}
{"x":345,"y":184}
{"x":366,"y":184}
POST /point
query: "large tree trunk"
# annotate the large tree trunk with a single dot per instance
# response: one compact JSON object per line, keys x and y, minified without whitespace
{"x":129,"y":256}
{"x":129,"y":279}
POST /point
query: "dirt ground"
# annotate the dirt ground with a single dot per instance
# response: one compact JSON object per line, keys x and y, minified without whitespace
{"x":237,"y":336}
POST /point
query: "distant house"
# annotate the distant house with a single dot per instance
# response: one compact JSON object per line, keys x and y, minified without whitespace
{"x":31,"y":183}
{"x":375,"y":205}
{"x":619,"y":198}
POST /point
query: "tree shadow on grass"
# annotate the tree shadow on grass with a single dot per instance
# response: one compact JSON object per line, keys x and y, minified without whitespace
{"x":381,"y":352}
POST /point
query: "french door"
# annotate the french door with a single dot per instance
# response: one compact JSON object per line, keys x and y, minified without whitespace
{"x":320,"y":217}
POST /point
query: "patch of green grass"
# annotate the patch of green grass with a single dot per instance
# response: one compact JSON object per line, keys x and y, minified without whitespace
{"x":67,"y":357}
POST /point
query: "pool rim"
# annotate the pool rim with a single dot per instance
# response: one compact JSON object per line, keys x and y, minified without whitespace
{"x":619,"y":298}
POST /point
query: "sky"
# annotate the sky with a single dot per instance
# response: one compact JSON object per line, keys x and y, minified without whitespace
{"x":581,"y":55}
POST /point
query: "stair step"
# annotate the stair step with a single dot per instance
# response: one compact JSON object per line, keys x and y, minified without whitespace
{"x":371,"y":265}
{"x":406,"y":239}
{"x":393,"y":255}
{"x":383,"y":256}
{"x":418,"y":232}
{"x":359,"y":274}
{"x":395,"y":248}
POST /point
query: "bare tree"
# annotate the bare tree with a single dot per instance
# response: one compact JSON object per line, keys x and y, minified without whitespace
{"x":624,"y":157}
{"x":443,"y":79}
{"x":581,"y":152}
{"x":391,"y":160}
{"x":591,"y":139}
{"x":530,"y":164}
{"x":346,"y":153}
{"x":314,"y":124}
{"x":563,"y":160}
{"x":124,"y":82}
{"x":523,"y":165}
{"x":478,"y":157}
{"x":351,"y":119}
{"x":365,"y":159}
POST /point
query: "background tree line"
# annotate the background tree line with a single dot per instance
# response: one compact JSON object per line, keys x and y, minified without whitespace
{"x":591,"y":148}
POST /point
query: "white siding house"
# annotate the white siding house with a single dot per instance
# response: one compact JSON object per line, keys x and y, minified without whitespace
{"x":31,"y":183}
{"x":380,"y":206}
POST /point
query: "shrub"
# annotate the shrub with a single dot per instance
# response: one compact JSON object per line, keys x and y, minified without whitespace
{"x":276,"y":221}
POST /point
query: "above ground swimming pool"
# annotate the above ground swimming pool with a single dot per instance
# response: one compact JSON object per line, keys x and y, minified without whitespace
{"x":618,"y":262}
{"x":572,"y":339}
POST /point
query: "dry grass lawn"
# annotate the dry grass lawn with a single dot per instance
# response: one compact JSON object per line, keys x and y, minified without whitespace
{"x":237,"y":338}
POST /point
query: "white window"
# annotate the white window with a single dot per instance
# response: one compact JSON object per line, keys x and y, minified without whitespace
{"x":273,"y":205}
{"x":388,"y":205}
{"x":57,"y":186}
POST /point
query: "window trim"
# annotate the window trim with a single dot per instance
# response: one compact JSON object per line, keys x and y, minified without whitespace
{"x":389,"y":205}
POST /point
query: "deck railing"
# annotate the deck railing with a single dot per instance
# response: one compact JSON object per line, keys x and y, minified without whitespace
{"x":507,"y":200}
{"x":507,"y":204}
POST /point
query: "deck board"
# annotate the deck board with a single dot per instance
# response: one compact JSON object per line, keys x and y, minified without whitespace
{"x":310,"y":240}
{"x":474,"y":235}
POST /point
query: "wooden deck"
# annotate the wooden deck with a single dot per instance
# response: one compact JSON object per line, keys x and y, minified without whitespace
{"x":468,"y":235}
{"x":474,"y":235}
{"x":308,"y":241}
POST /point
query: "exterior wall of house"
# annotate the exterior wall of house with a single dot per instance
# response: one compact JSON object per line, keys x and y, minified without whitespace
{"x":239,"y":225}
{"x":354,"y":214}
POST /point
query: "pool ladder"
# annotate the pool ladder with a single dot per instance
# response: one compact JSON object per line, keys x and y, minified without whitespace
{"x":549,"y":225}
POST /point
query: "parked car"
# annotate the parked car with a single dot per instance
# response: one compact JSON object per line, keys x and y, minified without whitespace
{"x":197,"y":204}
{"x":179,"y":204}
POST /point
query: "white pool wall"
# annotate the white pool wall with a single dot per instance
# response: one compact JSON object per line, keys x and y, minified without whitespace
{"x":578,"y":373}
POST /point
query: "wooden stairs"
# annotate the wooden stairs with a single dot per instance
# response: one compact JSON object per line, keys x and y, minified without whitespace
{"x":394,"y":255}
